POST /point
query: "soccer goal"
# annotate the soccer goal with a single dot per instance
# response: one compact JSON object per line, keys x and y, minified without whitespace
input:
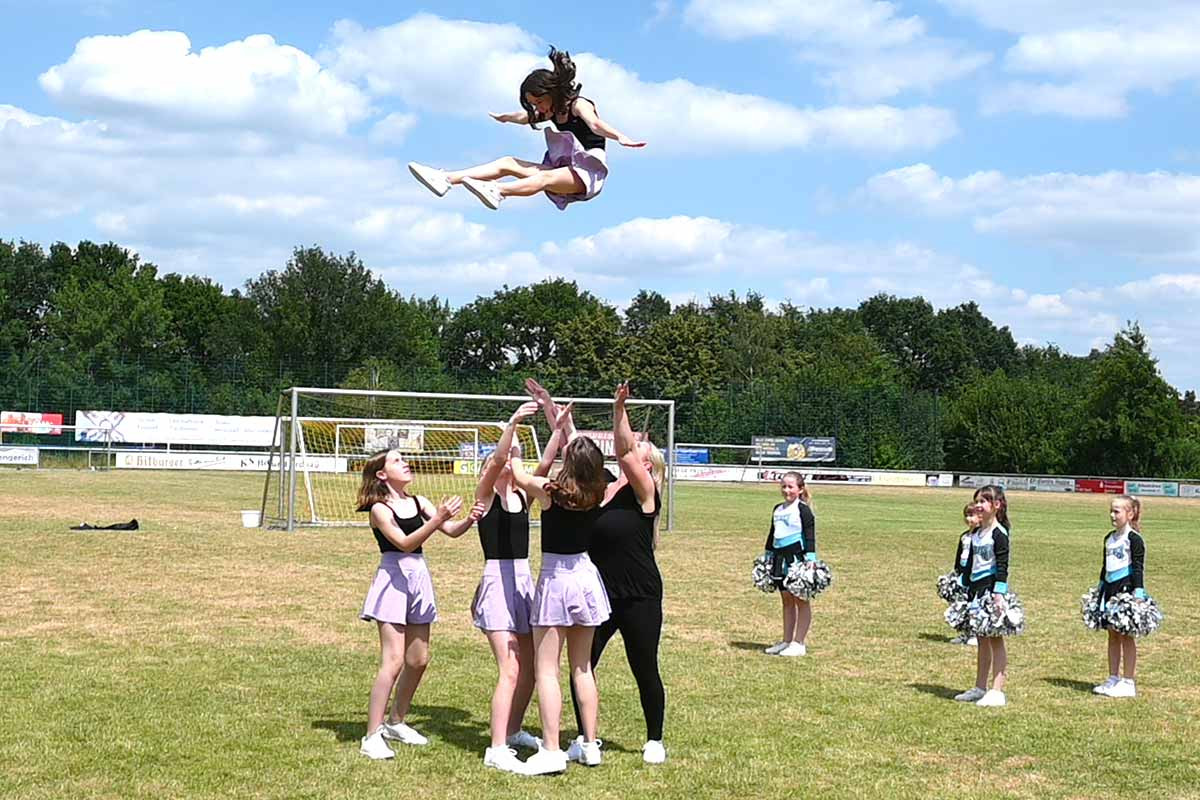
{"x":323,"y":437}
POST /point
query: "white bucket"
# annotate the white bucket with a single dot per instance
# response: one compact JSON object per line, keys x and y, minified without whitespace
{"x":251,"y":519}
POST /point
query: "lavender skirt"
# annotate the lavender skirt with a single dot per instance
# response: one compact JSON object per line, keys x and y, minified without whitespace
{"x":402,"y":592}
{"x":569,"y":592}
{"x":564,"y":150}
{"x":504,"y":599}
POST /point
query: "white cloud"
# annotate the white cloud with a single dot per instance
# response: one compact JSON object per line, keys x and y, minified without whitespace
{"x":392,"y":129}
{"x":253,"y":84}
{"x":466,"y":68}
{"x":868,"y":50}
{"x":1142,"y":215}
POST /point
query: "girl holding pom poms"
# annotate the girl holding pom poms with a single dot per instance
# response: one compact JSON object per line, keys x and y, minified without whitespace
{"x":792,"y":541}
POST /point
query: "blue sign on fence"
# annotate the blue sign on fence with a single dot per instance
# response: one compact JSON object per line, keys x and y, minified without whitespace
{"x":691,"y":455}
{"x":795,"y":448}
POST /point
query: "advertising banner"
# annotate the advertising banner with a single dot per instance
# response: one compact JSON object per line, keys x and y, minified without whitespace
{"x":1189,"y":490}
{"x":118,"y":427}
{"x":1007,"y":481}
{"x":30,"y":422}
{"x":691,"y":455}
{"x":406,"y":438}
{"x":604,"y":440}
{"x":24,"y":456}
{"x":795,"y":448}
{"x":224,"y":461}
{"x":1053,"y":484}
{"x":1100,"y":486}
{"x":1152,"y":488}
{"x":942,"y":480}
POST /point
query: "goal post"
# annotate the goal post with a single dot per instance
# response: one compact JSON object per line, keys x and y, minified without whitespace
{"x":323,"y":437}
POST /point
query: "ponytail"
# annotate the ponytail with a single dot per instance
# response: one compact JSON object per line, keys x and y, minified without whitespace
{"x":1135,"y":506}
{"x":994,"y":494}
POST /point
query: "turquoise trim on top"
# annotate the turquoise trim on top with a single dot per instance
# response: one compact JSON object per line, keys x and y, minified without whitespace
{"x":978,"y":576}
{"x":1113,"y":577}
{"x":810,"y":556}
{"x":1000,"y":588}
{"x":788,"y":541}
{"x":1139,"y":593}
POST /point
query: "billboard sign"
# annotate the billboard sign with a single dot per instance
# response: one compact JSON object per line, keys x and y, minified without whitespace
{"x":795,"y":448}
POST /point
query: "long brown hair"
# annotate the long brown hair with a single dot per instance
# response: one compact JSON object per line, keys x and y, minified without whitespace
{"x":559,"y":84}
{"x":994,"y":494}
{"x":805,"y":495}
{"x":1135,"y":506}
{"x":372,"y":490}
{"x":580,"y":484}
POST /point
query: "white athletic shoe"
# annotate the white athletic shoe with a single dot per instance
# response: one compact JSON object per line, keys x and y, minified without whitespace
{"x":1123,"y":688}
{"x":575,"y":750}
{"x":524,"y":739}
{"x":774,"y":649}
{"x":793,"y":649}
{"x":374,"y":747}
{"x":399,"y":732}
{"x":503,"y":758}
{"x":546,"y":762}
{"x":994,"y":698}
{"x":653,"y":752}
{"x":970,"y":695}
{"x":973,"y":641}
{"x":487,"y":192}
{"x":432,"y":179}
{"x":590,"y":755}
{"x":1106,"y":687}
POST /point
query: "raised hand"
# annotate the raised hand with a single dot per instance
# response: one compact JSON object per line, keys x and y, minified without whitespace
{"x":564,"y":416}
{"x":448,"y":508}
{"x":526,"y":410}
{"x":622,"y":393}
{"x":627,"y":142}
{"x":535,"y":390}
{"x":477,"y":511}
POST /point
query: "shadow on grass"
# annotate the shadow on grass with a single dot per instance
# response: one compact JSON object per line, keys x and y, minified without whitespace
{"x":935,"y":637}
{"x":759,"y":646}
{"x":944,"y":692}
{"x":344,"y":730}
{"x":1067,"y":683}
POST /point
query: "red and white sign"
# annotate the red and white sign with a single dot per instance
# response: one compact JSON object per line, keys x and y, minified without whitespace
{"x":30,"y":422}
{"x":1100,"y":486}
{"x":604,"y":440}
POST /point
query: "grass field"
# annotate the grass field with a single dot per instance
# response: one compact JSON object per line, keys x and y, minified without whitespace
{"x":198,"y":659}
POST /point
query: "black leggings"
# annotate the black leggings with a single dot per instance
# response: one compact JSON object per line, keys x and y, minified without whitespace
{"x":639,"y":619}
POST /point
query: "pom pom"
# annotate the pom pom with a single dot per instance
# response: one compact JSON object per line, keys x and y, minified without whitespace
{"x":956,"y":615}
{"x":949,"y":588}
{"x":1089,"y":607}
{"x":807,"y":579}
{"x":1132,"y":616}
{"x":761,"y":573}
{"x":995,"y":615}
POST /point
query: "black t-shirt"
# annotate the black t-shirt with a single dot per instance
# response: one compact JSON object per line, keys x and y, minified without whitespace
{"x":588,"y":138}
{"x":406,"y":524}
{"x":504,"y":534}
{"x":566,"y":531}
{"x":623,"y":546}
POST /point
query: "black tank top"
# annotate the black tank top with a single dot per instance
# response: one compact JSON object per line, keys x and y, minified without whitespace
{"x":623,"y":546}
{"x":566,"y":531}
{"x":406,"y":524}
{"x":504,"y":534}
{"x":588,"y":138}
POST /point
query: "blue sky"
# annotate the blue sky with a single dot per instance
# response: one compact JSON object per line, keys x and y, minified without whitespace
{"x":1036,"y":157}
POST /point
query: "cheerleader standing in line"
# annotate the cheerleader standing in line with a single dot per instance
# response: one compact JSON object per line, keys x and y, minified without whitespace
{"x":574,"y":167}
{"x":793,"y":537}
{"x":987,"y":571}
{"x":971,"y":519}
{"x":1123,"y":570}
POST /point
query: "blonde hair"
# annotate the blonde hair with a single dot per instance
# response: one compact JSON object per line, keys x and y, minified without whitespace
{"x":658,"y":465}
{"x":805,"y":495}
{"x":1135,"y":506}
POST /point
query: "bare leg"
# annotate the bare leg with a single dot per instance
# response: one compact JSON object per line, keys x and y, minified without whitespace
{"x":579,"y":656}
{"x":803,"y":620}
{"x":505,"y":167}
{"x":561,"y":180}
{"x":416,"y":658}
{"x":789,"y":615}
{"x":1114,"y":653}
{"x":507,"y":654}
{"x":547,"y":648}
{"x":1129,"y":647}
{"x":524,"y":689}
{"x":983,"y":663}
{"x":999,"y":662}
{"x":391,"y":659}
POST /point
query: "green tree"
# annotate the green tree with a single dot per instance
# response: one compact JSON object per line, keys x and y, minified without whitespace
{"x":646,"y":308}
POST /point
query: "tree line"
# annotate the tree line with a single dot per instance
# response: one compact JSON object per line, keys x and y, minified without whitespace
{"x":901,"y":385}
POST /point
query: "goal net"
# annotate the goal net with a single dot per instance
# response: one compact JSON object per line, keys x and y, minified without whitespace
{"x":323,"y":437}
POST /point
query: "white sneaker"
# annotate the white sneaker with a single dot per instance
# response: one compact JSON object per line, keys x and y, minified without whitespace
{"x":546,"y":762}
{"x":487,"y":192}
{"x":774,"y":649}
{"x":970,"y":695}
{"x":399,"y":732}
{"x":793,"y":649}
{"x":575,"y":750}
{"x":590,"y":753}
{"x":432,"y":179}
{"x":503,"y":758}
{"x":374,"y":747}
{"x":1106,"y":687}
{"x":973,"y":641}
{"x":994,"y":698}
{"x":524,"y":739}
{"x":653,"y":752}
{"x":1123,"y":688}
